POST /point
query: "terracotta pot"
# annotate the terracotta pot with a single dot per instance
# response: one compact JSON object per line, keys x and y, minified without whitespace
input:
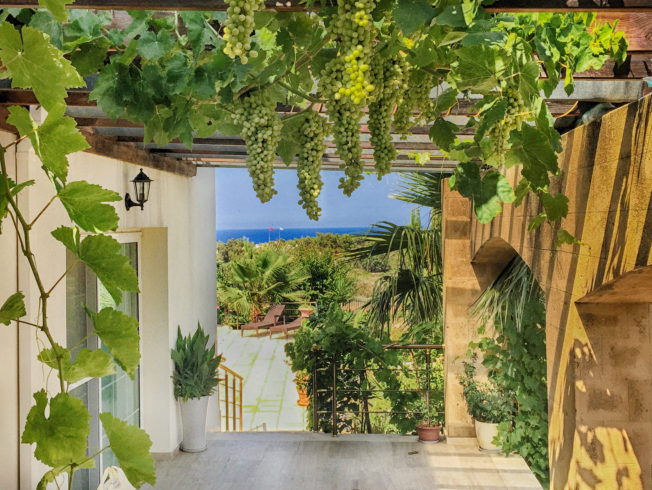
{"x":304,"y":399}
{"x":485,"y":432}
{"x":306,"y":312}
{"x":428,"y":433}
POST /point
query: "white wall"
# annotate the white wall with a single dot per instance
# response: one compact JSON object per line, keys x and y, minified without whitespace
{"x":177,"y":229}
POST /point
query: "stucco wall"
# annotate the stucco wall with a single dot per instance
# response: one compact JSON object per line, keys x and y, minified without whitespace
{"x":607,"y":175}
{"x":177,"y":272}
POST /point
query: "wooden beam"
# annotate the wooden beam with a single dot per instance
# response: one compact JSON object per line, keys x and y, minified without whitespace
{"x":296,"y":5}
{"x":109,"y":147}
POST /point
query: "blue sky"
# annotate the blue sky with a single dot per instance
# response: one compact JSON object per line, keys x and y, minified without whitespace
{"x":238,"y":207}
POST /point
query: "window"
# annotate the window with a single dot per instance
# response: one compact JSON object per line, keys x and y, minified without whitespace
{"x":117,"y":394}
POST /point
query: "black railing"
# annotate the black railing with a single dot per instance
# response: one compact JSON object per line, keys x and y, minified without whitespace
{"x":327,"y":377}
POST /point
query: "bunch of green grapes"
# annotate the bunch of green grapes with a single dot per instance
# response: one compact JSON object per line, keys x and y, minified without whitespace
{"x":313,"y":132}
{"x":238,"y":28}
{"x":416,"y":104}
{"x":516,"y":114}
{"x":345,"y":117}
{"x":261,"y":131}
{"x":389,"y":80}
{"x":345,"y":83}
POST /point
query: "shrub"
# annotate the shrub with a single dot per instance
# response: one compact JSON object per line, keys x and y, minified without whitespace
{"x":195,"y":366}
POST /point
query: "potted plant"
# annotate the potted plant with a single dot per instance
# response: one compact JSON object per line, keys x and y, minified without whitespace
{"x":301,"y":379}
{"x":487,"y":404}
{"x":194,"y":379}
{"x":306,"y":309}
{"x":429,"y":429}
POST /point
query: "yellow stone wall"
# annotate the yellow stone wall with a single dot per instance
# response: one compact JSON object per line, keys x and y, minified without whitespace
{"x":598,"y":329}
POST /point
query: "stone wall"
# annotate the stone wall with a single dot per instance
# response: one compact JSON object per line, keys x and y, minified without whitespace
{"x":598,"y":299}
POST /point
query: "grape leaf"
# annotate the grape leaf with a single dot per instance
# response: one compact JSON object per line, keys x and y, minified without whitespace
{"x":153,"y":46}
{"x":61,"y":437}
{"x":130,"y":445}
{"x":13,"y":190}
{"x":487,"y":192}
{"x":85,"y":205}
{"x":33,"y":62}
{"x":532,"y":148}
{"x":536,"y":222}
{"x":13,"y":308}
{"x":88,"y":364}
{"x":451,"y":16}
{"x":477,"y":68}
{"x":563,"y":237}
{"x":52,"y":141}
{"x":445,"y":100}
{"x":57,"y":8}
{"x":102,"y":254}
{"x":89,"y":57}
{"x":443,"y":132}
{"x":412,"y":15}
{"x":556,"y":206}
{"x":119,"y":332}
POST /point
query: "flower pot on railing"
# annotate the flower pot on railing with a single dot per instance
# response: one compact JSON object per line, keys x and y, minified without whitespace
{"x":305,"y":311}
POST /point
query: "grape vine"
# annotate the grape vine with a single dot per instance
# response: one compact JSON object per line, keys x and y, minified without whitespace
{"x":416,"y":105}
{"x":516,"y":113}
{"x":261,"y":131}
{"x":312,"y":134}
{"x":389,"y":80}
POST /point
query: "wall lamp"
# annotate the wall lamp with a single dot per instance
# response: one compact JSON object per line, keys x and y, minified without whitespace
{"x":141,"y":191}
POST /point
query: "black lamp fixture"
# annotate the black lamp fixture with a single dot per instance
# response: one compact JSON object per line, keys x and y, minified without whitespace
{"x":141,"y":191}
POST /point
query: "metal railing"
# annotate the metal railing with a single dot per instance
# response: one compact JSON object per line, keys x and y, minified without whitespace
{"x":333,"y":372}
{"x":232,"y":398}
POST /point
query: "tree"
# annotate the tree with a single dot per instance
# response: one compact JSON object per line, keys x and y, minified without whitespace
{"x":260,"y":278}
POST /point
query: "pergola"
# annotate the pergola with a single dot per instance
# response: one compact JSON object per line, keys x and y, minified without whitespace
{"x":122,"y":139}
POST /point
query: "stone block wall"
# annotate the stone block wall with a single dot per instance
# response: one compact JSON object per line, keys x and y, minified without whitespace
{"x":598,"y":299}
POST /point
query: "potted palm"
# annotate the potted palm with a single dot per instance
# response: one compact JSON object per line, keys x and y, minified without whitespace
{"x":194,"y":379}
{"x":488,"y":405}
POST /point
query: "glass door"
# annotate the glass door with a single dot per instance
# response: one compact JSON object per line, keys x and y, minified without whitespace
{"x":118,"y":393}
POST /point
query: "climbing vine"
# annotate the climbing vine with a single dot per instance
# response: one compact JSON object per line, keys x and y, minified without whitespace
{"x":182,"y":74}
{"x":58,"y":423}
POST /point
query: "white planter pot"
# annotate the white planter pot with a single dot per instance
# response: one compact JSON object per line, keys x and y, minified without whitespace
{"x":485,"y":432}
{"x":193,"y":418}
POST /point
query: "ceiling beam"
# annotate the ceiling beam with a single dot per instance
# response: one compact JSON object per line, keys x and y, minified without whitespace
{"x":107,"y":146}
{"x":295,"y":5}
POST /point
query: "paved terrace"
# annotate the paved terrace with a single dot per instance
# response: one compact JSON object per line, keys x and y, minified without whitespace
{"x":269,"y":393}
{"x":298,"y":461}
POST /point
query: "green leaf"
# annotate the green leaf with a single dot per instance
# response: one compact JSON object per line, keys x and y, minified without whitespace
{"x":52,"y":141}
{"x":452,"y":16}
{"x":478,"y":68}
{"x":119,"y":332}
{"x":412,"y":15}
{"x":130,"y":445}
{"x":88,"y":364}
{"x":443,"y":132}
{"x":487,"y":192}
{"x":536,"y":222}
{"x":445,"y":100}
{"x":33,"y":62}
{"x":532,"y":148}
{"x":85,"y":205}
{"x":13,"y":308}
{"x":89,"y":57}
{"x":287,"y":149}
{"x":153,"y":46}
{"x":61,"y":437}
{"x":563,"y":237}
{"x":556,"y":206}
{"x":102,"y":254}
{"x":57,"y":8}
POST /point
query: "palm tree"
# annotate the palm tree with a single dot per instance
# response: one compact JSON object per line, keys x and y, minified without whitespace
{"x":260,"y":278}
{"x":413,"y":289}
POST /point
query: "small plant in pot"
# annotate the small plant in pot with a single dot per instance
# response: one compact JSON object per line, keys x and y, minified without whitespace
{"x":306,"y":309}
{"x":301,"y":379}
{"x":487,"y":404}
{"x":194,"y":379}
{"x":429,"y":430}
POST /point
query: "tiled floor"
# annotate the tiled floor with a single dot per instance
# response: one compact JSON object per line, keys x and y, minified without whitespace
{"x":270,"y":396}
{"x":289,"y":461}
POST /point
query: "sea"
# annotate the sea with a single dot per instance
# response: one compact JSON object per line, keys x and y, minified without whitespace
{"x":264,"y":235}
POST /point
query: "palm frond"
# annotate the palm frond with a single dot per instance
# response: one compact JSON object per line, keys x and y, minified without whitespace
{"x":508,"y":293}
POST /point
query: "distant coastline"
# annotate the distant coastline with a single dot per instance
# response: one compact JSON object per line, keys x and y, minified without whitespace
{"x":263,"y":235}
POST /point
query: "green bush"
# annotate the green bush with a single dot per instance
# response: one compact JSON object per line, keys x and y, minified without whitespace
{"x":195,"y":366}
{"x":486,"y":402}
